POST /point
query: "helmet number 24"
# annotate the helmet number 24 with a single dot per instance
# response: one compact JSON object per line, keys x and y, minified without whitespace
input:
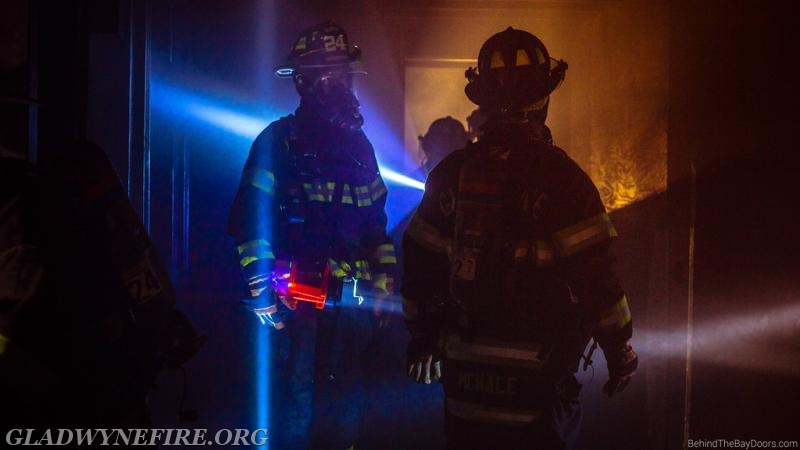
{"x":333,"y":43}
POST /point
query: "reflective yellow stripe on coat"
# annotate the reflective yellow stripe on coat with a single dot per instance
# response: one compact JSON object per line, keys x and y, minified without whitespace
{"x":584,"y":234}
{"x":361,"y":196}
{"x":254,"y":250}
{"x":385,"y":254}
{"x":616,"y":316}
{"x":261,"y":179}
{"x":428,"y":236}
{"x":542,"y":253}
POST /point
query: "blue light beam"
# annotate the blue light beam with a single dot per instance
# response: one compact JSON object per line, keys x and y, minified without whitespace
{"x":398,"y":178}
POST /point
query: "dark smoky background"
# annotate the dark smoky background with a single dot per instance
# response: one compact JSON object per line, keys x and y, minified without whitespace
{"x":683,"y":113}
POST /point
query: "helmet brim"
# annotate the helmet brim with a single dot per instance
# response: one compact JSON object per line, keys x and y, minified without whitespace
{"x":353,"y":61}
{"x":288,"y":71}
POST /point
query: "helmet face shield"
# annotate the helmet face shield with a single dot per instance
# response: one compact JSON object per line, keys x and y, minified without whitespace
{"x":330,"y":92}
{"x":329,"y":81}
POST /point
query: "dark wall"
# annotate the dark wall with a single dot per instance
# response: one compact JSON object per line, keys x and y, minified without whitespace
{"x":732,"y":117}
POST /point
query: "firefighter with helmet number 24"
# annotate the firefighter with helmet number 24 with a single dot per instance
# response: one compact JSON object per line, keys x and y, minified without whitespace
{"x":310,"y":230}
{"x":508,"y":268}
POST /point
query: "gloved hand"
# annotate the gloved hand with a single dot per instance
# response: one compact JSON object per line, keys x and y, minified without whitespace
{"x":622,"y":362}
{"x":382,"y":291}
{"x":423,"y":361}
{"x":425,"y":368}
{"x":263,"y":292}
{"x":265,"y":308}
{"x":270,"y":316}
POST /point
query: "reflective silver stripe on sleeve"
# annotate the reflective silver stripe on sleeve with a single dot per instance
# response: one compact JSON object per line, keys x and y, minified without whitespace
{"x":377,"y":189}
{"x":584,"y":234}
{"x":428,"y":236}
{"x":615,"y":317}
{"x":541,"y":252}
{"x":261,"y":179}
{"x":366,"y":195}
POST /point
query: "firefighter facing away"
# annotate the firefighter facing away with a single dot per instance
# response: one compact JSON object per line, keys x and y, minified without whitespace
{"x":310,"y":230}
{"x":508,"y":269}
{"x":444,"y":135}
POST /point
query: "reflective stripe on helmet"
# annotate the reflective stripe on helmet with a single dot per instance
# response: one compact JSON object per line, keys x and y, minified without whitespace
{"x":522,"y":58}
{"x":497,"y":60}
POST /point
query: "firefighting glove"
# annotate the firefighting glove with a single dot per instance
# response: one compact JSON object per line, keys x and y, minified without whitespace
{"x":622,"y":362}
{"x":425,"y":369}
{"x":382,"y":291}
{"x":423,"y":362}
{"x":262,"y":302}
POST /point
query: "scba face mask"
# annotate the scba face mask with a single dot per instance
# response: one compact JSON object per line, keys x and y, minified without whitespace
{"x":331,"y":94}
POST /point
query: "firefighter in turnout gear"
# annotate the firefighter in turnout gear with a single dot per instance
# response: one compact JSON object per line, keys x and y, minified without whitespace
{"x":508,"y":269}
{"x":444,"y":135}
{"x":310,"y":230}
{"x":87,"y":315}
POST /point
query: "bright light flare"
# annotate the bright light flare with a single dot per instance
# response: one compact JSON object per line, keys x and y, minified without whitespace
{"x":398,"y":178}
{"x":241,"y":125}
{"x":745,"y":340}
{"x":205,"y":109}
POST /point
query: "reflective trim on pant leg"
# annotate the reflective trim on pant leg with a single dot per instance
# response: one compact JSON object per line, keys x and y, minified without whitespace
{"x":483,"y":413}
{"x":489,"y":354}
